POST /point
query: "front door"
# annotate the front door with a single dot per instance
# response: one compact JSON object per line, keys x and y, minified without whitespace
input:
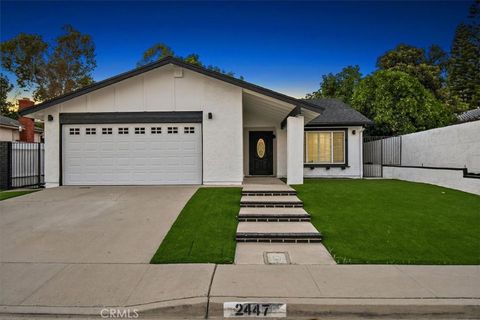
{"x":261,"y":153}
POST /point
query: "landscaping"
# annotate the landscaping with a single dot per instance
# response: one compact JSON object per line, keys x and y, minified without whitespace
{"x":204,"y":232}
{"x":12,"y":194}
{"x":391,"y":221}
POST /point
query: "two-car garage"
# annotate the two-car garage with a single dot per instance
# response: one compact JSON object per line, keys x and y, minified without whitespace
{"x":132,"y":153}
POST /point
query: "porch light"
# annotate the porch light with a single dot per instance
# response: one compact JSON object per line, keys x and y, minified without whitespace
{"x":210,"y":116}
{"x":354,"y":131}
{"x":50,"y":117}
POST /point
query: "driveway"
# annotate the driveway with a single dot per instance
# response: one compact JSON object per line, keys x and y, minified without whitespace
{"x":89,"y":224}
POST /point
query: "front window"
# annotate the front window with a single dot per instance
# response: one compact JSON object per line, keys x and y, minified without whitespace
{"x":325,"y":147}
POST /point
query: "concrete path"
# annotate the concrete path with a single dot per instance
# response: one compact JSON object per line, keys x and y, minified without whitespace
{"x":89,"y":224}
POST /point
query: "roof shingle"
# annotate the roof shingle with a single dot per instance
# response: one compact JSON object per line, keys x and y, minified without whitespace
{"x":337,"y":112}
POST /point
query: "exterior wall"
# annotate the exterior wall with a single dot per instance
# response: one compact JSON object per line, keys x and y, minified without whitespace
{"x":446,"y":178}
{"x":159,"y":90}
{"x":7,"y":134}
{"x":456,"y":146}
{"x":355,"y":162}
{"x":295,"y":136}
{"x":255,"y":122}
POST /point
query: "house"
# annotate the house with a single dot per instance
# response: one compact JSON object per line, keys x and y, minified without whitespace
{"x":170,"y":122}
{"x":13,"y":130}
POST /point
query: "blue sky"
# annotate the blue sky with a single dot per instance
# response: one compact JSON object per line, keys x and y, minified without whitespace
{"x":285,"y":46}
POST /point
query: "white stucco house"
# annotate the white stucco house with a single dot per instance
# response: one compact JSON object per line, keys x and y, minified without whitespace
{"x":171,"y":122}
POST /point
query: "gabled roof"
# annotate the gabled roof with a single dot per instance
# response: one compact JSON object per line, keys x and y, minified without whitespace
{"x":161,"y":63}
{"x":336,"y":112}
{"x":470,"y":115}
{"x":9,"y":122}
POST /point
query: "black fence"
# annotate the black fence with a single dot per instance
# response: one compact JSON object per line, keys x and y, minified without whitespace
{"x":21,"y":165}
{"x":379,"y":151}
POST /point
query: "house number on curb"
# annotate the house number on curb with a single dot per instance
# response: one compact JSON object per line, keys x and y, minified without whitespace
{"x":254,"y":310}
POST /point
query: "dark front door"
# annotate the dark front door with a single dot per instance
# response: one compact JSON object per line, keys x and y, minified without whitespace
{"x":261,"y":153}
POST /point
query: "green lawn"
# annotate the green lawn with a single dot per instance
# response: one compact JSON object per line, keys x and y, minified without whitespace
{"x":12,"y":194}
{"x":391,"y":221}
{"x":204,"y":232}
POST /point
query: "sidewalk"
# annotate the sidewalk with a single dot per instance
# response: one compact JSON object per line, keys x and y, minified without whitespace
{"x":193,"y":290}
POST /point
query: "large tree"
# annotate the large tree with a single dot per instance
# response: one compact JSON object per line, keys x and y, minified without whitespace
{"x":398,"y":104}
{"x":464,"y":63}
{"x":161,"y":50}
{"x":7,"y":108}
{"x":50,"y":69}
{"x":340,"y":85}
{"x":427,"y":66}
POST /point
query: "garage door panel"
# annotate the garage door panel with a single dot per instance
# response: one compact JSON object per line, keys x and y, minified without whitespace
{"x":128,"y":156}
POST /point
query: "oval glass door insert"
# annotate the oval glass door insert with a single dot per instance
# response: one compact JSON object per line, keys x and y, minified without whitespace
{"x":261,"y":148}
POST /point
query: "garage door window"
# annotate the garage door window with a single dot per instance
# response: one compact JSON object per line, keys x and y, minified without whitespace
{"x":122,"y":130}
{"x":139,"y":130}
{"x":189,"y":130}
{"x":90,"y":131}
{"x":74,"y":131}
{"x":172,"y":130}
{"x":156,"y":130}
{"x":107,"y":131}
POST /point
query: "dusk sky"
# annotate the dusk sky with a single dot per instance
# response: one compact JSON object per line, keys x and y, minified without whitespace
{"x":284,"y":46}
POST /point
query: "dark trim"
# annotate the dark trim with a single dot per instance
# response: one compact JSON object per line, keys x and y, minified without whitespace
{"x":343,"y":124}
{"x":161,"y":63}
{"x":329,"y":165}
{"x":466,"y":174}
{"x":60,"y":175}
{"x":325,"y":165}
{"x":131,"y":117}
{"x":295,"y":112}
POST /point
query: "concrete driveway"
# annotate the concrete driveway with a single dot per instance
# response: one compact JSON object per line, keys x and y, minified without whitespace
{"x":89,"y":224}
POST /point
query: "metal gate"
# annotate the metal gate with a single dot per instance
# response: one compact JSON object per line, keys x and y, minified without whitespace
{"x":21,"y":165}
{"x":379,"y":151}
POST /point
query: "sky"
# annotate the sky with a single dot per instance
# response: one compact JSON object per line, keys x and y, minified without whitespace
{"x":284,"y":46}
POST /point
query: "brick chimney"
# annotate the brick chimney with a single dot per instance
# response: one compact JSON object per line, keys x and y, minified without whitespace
{"x":27,"y":134}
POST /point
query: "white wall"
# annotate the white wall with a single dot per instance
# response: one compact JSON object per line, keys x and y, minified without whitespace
{"x":295,"y":136}
{"x":456,"y":146}
{"x":446,"y":178}
{"x":159,"y":90}
{"x":8,"y":134}
{"x":354,"y":169}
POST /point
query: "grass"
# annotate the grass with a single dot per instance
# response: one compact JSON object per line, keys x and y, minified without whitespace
{"x":12,"y":194}
{"x":204,"y":232}
{"x":391,"y":221}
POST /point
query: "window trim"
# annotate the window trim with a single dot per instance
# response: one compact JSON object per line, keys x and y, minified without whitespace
{"x":322,"y":164}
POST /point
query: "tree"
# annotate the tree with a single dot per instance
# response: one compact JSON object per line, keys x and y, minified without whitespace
{"x":50,"y":70}
{"x":464,"y":63}
{"x":427,"y":67}
{"x":161,"y":50}
{"x":398,"y":104}
{"x":7,"y":108}
{"x":340,"y":85}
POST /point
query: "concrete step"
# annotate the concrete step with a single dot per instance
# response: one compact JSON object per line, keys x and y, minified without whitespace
{"x":273,"y":215}
{"x":279,"y":232}
{"x":270,"y":202}
{"x":268,"y":190}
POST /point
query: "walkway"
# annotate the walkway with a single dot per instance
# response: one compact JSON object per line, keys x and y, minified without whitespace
{"x":274,"y":228}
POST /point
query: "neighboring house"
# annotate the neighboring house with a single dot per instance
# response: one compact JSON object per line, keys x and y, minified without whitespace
{"x":171,"y":122}
{"x":470,"y":115}
{"x":11,"y":130}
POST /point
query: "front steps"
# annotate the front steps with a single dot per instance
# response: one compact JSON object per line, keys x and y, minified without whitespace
{"x":269,"y":201}
{"x":274,"y":214}
{"x":279,"y":232}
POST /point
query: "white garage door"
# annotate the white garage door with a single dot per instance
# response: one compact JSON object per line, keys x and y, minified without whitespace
{"x":132,"y":154}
